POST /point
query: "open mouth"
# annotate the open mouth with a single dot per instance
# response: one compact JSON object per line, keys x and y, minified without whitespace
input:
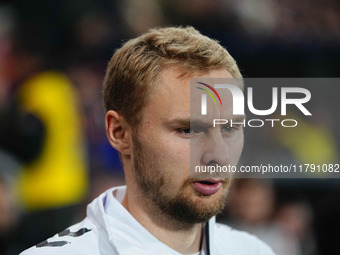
{"x":207,"y":183}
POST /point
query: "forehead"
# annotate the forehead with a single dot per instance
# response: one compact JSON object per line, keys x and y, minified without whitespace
{"x":171,"y":95}
{"x":171,"y":80}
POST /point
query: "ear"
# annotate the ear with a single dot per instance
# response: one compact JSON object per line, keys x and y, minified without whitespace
{"x":118,"y":132}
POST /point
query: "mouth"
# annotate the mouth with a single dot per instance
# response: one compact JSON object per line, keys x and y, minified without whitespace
{"x":207,"y":187}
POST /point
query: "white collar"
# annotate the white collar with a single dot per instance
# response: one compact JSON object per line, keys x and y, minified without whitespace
{"x":124,"y":232}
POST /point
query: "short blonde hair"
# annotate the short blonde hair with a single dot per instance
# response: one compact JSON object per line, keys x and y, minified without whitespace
{"x":134,"y":68}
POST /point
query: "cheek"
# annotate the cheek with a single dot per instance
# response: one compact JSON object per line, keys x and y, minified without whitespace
{"x":177,"y":162}
{"x":236,"y":148}
{"x":178,"y":153}
{"x":183,"y":150}
{"x":174,"y":148}
{"x":174,"y":153}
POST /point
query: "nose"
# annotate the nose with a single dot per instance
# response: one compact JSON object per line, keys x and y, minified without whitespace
{"x":215,"y":150}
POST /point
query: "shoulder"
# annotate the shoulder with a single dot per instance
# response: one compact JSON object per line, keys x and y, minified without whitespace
{"x":238,"y":242}
{"x":81,"y":238}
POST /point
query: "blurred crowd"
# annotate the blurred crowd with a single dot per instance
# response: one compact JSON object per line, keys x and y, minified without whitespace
{"x":286,"y":226}
{"x":54,"y":156}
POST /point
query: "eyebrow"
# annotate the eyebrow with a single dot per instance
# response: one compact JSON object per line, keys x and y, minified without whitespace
{"x":238,"y":118}
{"x":201,"y":122}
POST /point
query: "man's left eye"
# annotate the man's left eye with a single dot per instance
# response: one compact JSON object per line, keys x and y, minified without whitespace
{"x":228,"y":129}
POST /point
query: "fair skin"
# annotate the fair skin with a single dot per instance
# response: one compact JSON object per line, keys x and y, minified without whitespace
{"x":166,"y":135}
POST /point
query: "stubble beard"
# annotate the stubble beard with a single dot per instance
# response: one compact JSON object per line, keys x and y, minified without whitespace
{"x":187,"y":206}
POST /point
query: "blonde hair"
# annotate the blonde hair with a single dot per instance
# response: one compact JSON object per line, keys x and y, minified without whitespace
{"x":134,"y":68}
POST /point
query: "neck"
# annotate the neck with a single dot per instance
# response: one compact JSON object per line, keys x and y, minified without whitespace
{"x":181,"y":237}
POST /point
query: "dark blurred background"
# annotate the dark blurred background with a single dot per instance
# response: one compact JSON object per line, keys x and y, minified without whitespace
{"x":54,"y":156}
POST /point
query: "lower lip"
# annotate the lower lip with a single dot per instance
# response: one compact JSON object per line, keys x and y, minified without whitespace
{"x":207,"y":189}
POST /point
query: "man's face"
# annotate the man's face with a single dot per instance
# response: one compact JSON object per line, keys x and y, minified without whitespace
{"x":161,"y":153}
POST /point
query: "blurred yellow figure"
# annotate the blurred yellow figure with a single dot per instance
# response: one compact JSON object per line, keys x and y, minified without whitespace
{"x":58,"y":177}
{"x":310,"y":144}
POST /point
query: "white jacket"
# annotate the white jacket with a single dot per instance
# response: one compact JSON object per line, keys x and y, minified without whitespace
{"x":109,"y":229}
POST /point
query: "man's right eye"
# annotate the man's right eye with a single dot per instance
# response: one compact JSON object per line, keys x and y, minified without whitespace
{"x":184,"y":130}
{"x":190,"y":130}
